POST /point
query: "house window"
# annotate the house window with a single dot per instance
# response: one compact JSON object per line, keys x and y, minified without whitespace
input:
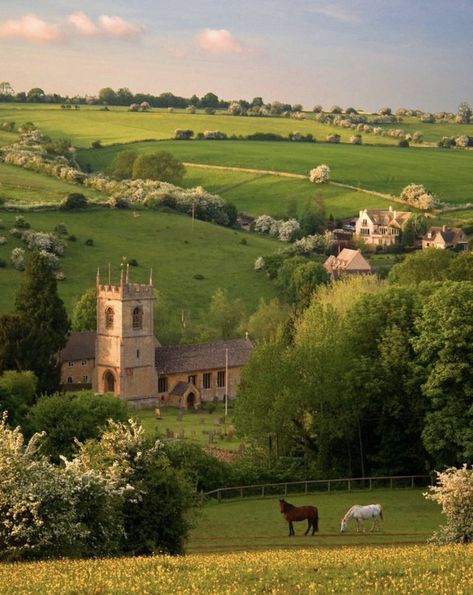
{"x":69,"y":380}
{"x":192,"y":379}
{"x":364,"y":231}
{"x":70,"y":364}
{"x":207,"y":380}
{"x":221,"y":378}
{"x":163,"y":384}
{"x":84,"y":362}
{"x":85,"y":379}
{"x":137,"y":318}
{"x":364,"y":222}
{"x":109,"y":315}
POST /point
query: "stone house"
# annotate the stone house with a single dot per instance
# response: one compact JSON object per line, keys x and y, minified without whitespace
{"x":378,"y":227}
{"x":124,"y":357}
{"x":443,"y":238}
{"x":348,"y":262}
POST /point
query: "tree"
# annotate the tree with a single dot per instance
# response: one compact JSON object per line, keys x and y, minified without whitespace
{"x":107,"y":96}
{"x":158,"y":166}
{"x":320,"y":174}
{"x":17,"y":392}
{"x":461,"y":267}
{"x":445,"y":351}
{"x":73,"y":201}
{"x":36,"y":94}
{"x":266,"y":320}
{"x":73,"y":416}
{"x":423,"y":265}
{"x":225,"y":314}
{"x":415,"y":227}
{"x":6,"y":88}
{"x":298,"y":278}
{"x":464,"y":113}
{"x":42,"y":325}
{"x":210,"y":100}
{"x":121,"y":167}
{"x":84,"y":313}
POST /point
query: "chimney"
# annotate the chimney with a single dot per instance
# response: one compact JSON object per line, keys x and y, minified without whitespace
{"x":444,"y":228}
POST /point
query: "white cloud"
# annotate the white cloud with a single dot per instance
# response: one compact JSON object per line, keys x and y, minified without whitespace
{"x":83,"y":24}
{"x":31,"y":28}
{"x":336,"y":12}
{"x":118,"y":27}
{"x":218,"y":41}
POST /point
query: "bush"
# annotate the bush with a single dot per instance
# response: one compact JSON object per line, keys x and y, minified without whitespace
{"x":158,"y":166}
{"x":89,"y":242}
{"x":454,"y":492}
{"x":403,"y":143}
{"x":333,"y":138}
{"x":320,"y":174}
{"x":18,"y":259}
{"x":74,"y":201}
{"x":61,"y":229}
{"x":20,"y":222}
{"x":183,"y":134}
{"x":3,"y":263}
{"x":96,"y":144}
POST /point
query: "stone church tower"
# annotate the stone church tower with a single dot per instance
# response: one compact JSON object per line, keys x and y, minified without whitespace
{"x":125,"y":344}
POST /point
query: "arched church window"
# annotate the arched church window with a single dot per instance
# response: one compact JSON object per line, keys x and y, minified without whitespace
{"x":109,"y":315}
{"x":137,"y":318}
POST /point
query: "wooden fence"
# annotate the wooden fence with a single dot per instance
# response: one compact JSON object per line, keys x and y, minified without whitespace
{"x":320,"y":485}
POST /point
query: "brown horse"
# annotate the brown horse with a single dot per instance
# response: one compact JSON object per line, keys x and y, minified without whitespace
{"x":300,"y":513}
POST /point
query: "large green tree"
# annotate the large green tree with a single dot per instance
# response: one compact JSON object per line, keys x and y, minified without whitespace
{"x":121,"y":167}
{"x":33,"y":337}
{"x":444,"y":349}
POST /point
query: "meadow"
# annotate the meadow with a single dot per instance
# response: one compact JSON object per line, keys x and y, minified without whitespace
{"x":448,"y":173}
{"x":254,"y":555}
{"x":177,"y":250}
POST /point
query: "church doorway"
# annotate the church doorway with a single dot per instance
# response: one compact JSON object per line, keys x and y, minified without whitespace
{"x":190,"y":401}
{"x":109,"y":382}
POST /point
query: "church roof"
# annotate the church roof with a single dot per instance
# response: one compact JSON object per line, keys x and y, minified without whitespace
{"x":205,"y":356}
{"x":180,"y":388}
{"x":79,"y":346}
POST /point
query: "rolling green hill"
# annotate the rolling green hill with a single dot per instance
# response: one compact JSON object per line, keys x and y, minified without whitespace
{"x":167,"y":242}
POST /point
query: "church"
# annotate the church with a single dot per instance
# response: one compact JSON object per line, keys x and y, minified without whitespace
{"x":125,"y":358}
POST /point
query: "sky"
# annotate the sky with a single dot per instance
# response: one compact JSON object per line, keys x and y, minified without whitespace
{"x":360,"y":53}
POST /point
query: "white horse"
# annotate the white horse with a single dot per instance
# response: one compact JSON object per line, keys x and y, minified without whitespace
{"x":360,"y":513}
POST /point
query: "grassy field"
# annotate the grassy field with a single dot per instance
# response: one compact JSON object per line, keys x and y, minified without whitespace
{"x":242,"y":547}
{"x":165,"y":241}
{"x":384,"y":169}
{"x":192,"y":426}
{"x":22,"y":187}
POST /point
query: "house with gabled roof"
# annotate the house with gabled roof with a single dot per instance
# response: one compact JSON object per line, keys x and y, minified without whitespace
{"x":445,"y":238}
{"x":348,"y":262}
{"x":380,"y":227}
{"x":125,"y":358}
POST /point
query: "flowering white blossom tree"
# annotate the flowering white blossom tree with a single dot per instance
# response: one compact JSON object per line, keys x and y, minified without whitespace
{"x":454,"y":493}
{"x":259,"y":264}
{"x":320,"y":174}
{"x":18,"y":259}
{"x":417,"y":196}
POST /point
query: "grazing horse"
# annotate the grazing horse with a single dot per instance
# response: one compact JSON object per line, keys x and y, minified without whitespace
{"x":360,"y":513}
{"x":299,"y":513}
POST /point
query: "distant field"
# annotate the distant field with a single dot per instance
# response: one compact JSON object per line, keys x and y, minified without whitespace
{"x":118,"y":125}
{"x":20,"y":186}
{"x":164,"y":241}
{"x":448,"y":173}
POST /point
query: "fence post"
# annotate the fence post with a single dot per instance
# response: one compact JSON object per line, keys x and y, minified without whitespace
{"x":262,"y":490}
{"x":305,"y":487}
{"x":328,"y":485}
{"x":412,"y":481}
{"x":349,"y":485}
{"x":241,"y":492}
{"x":219,"y":496}
{"x":285,"y":489}
{"x":391,"y":482}
{"x":371,"y":484}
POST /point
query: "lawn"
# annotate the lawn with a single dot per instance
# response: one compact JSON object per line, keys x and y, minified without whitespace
{"x":176,"y":249}
{"x":448,"y":173}
{"x":22,"y":187}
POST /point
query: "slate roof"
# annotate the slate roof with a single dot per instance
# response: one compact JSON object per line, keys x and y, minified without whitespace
{"x":205,"y":356}
{"x":79,"y":346}
{"x":180,"y":388}
{"x":450,"y":235}
{"x":388,"y":217}
{"x":344,"y":261}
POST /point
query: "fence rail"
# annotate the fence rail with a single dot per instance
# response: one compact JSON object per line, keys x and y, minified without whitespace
{"x":320,"y":485}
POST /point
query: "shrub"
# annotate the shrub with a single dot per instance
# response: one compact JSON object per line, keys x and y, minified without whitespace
{"x":3,"y":240}
{"x":20,"y":222}
{"x":333,"y":138}
{"x":97,"y":144}
{"x":355,"y":139}
{"x":214,"y":135}
{"x":417,"y":196}
{"x":320,"y":174}
{"x":158,"y":166}
{"x":133,"y":262}
{"x":454,"y":493}
{"x":74,"y":201}
{"x":199,"y":277}
{"x":72,"y":238}
{"x":89,"y":242}
{"x":61,"y":229}
{"x":183,"y":134}
{"x":18,"y":259}
{"x":403,"y":143}
{"x":3,"y":263}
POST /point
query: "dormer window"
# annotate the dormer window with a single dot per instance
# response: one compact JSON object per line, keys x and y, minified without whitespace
{"x":137,"y":318}
{"x":109,"y":315}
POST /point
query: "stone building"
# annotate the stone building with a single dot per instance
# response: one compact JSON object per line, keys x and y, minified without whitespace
{"x":378,"y":227}
{"x":348,"y":262}
{"x":125,"y":358}
{"x":445,"y":238}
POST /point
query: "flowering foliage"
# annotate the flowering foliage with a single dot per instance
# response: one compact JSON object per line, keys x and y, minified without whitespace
{"x":259,"y":264}
{"x":462,"y":141}
{"x":320,"y":174}
{"x":314,"y":243}
{"x":279,"y":228}
{"x":417,"y":196}
{"x":454,"y":493}
{"x":18,"y":259}
{"x":45,"y":242}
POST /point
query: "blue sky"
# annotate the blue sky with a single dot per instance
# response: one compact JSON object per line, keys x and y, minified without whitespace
{"x":365,"y":53}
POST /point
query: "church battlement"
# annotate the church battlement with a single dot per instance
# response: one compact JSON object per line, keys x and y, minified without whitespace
{"x":126,"y":290}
